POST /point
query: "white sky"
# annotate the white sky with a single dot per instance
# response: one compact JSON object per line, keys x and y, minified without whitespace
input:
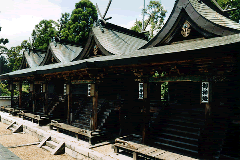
{"x":18,"y":17}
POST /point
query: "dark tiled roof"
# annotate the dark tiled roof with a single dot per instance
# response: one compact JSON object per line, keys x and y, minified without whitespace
{"x":213,"y":16}
{"x":34,"y":58}
{"x":117,"y":42}
{"x":121,"y":59}
{"x":208,"y":21}
{"x":65,"y":53}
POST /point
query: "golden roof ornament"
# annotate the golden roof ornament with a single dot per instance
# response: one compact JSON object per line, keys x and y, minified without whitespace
{"x":186,"y":29}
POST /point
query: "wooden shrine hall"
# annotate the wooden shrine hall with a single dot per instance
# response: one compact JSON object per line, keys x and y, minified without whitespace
{"x":112,"y":85}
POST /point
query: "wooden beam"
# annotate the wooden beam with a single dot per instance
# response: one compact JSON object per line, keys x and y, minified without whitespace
{"x":178,"y":78}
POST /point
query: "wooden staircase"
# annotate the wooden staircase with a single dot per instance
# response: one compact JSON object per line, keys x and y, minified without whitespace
{"x":177,"y":129}
{"x":108,"y":120}
{"x":83,"y":116}
{"x":213,"y":134}
{"x":57,"y":111}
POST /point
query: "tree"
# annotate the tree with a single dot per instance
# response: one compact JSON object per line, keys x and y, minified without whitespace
{"x":80,"y":23}
{"x":3,"y":65}
{"x":3,"y":41}
{"x":14,"y":58}
{"x":137,"y":26}
{"x":43,"y":33}
{"x":156,"y":14}
{"x":230,"y":4}
{"x":25,"y":44}
{"x":63,"y":22}
{"x":4,"y":90}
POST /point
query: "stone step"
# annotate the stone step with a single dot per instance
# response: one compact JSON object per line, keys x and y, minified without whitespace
{"x":51,"y":144}
{"x":47,"y":148}
{"x":14,"y":126}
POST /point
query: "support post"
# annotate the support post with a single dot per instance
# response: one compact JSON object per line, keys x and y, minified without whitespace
{"x":92,"y":91}
{"x":69,"y":95}
{"x":146,"y":112}
{"x":20,"y":94}
{"x":204,"y":142}
{"x":95,"y":105}
{"x":32,"y":90}
{"x":45,"y":91}
{"x":12,"y":92}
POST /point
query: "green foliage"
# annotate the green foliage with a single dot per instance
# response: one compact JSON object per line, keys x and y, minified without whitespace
{"x":164,"y":86}
{"x":156,"y":14}
{"x":81,"y":21}
{"x":63,"y":22}
{"x":14,"y":58}
{"x":3,"y":65}
{"x":4,"y":90}
{"x":3,"y":41}
{"x":43,"y":33}
{"x":137,"y":26}
{"x":25,"y":44}
{"x":235,"y":14}
{"x":164,"y":90}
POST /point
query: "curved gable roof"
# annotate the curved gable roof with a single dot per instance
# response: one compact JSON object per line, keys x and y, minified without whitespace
{"x":210,"y":22}
{"x":62,"y":53}
{"x":32,"y":58}
{"x":114,"y":40}
{"x":65,"y":53}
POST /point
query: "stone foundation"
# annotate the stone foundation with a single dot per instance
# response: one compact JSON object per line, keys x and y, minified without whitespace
{"x":71,"y":148}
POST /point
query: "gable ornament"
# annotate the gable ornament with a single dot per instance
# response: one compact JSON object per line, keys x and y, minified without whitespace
{"x":95,"y":51}
{"x":186,"y":29}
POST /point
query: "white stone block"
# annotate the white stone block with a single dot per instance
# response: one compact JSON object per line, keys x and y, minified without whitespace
{"x":95,"y":155}
{"x":83,"y":151}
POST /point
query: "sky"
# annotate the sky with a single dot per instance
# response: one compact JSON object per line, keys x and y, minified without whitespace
{"x":19,"y":17}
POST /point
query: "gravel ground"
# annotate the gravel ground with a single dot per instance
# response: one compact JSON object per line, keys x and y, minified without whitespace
{"x":27,"y":152}
{"x":8,"y":139}
{"x":106,"y":149}
{"x":3,"y":129}
{"x":17,"y":139}
{"x":35,"y":153}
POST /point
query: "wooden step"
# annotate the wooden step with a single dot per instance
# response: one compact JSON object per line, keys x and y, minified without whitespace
{"x":193,"y":141}
{"x":177,"y":149}
{"x":178,"y":143}
{"x":180,"y":133}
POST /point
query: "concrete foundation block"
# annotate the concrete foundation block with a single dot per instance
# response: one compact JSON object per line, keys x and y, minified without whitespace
{"x":95,"y":155}
{"x":72,"y":147}
{"x":83,"y":151}
{"x":74,"y":154}
{"x":107,"y":158}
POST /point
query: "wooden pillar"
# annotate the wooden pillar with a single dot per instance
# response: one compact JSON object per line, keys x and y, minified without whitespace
{"x":207,"y":92}
{"x":32,"y":90}
{"x":146,"y":112}
{"x":45,"y":91}
{"x":12,"y":92}
{"x":69,"y":96}
{"x":204,"y":142}
{"x":94,"y":95}
{"x":20,"y":94}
